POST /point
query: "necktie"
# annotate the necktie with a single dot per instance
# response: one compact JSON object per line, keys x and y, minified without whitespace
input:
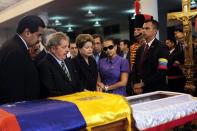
{"x":146,"y":49}
{"x":96,"y":57}
{"x":65,"y":69}
{"x":143,"y":58}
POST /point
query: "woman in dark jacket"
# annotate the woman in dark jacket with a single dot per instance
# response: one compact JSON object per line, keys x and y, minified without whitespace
{"x":85,"y":63}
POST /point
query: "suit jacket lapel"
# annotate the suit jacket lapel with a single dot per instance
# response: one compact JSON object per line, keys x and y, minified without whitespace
{"x":22,"y":46}
{"x":83,"y":63}
{"x":69,"y":66}
{"x":57,"y":66}
{"x":151,"y":48}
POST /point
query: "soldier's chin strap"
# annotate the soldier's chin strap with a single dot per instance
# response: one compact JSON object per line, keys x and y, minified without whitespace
{"x":138,"y":35}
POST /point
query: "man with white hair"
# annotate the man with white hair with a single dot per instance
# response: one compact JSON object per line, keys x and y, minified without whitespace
{"x":44,"y":36}
{"x":58,"y":75}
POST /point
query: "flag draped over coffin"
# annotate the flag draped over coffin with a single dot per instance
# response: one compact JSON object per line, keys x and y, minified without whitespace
{"x":69,"y":112}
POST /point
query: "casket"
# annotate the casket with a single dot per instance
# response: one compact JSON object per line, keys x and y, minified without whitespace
{"x":161,"y":110}
{"x":80,"y":111}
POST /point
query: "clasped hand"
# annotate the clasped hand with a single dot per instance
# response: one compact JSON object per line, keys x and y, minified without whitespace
{"x":100,"y":87}
{"x":138,"y":88}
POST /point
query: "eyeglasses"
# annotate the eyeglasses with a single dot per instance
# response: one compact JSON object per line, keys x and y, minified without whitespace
{"x":109,"y":47}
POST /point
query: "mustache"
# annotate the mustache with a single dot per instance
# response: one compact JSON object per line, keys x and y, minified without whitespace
{"x":38,"y":42}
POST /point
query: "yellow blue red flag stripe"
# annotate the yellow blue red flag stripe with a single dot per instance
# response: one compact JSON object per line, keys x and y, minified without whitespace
{"x":8,"y":121}
{"x":46,"y":115}
{"x":100,"y":108}
{"x":162,"y":64}
{"x":65,"y":113}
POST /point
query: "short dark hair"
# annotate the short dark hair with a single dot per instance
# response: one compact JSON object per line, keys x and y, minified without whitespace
{"x":82,"y":39}
{"x":97,"y":36}
{"x":172,"y":39}
{"x":72,"y":43}
{"x":114,"y":41}
{"x":126,"y":42}
{"x":178,"y":30}
{"x":154,"y":22}
{"x":32,"y":22}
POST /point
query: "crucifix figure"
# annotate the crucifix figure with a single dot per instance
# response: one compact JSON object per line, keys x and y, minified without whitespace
{"x":185,"y":17}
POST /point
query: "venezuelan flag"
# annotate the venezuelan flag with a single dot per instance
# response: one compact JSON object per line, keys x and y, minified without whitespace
{"x":41,"y":115}
{"x":162,"y":65}
{"x":100,"y":108}
{"x":65,"y":113}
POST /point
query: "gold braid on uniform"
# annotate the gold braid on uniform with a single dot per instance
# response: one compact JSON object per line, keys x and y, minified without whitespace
{"x":133,"y":50}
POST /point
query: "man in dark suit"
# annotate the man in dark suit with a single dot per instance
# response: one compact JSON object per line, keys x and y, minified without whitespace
{"x":176,"y":78}
{"x":124,"y":49}
{"x":151,"y":62}
{"x":125,"y":53}
{"x":180,"y":44}
{"x":18,"y":74}
{"x":58,"y":75}
{"x":73,"y":50}
{"x":97,"y":48}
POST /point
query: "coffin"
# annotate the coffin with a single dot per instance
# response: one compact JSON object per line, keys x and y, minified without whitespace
{"x":162,"y":110}
{"x":100,"y":112}
{"x":80,"y":111}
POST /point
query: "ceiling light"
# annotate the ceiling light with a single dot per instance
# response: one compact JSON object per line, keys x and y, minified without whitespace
{"x":130,"y":11}
{"x":96,"y":19}
{"x":92,"y":7}
{"x":193,"y":2}
{"x":90,"y":14}
{"x":57,"y":22}
{"x":70,"y":29}
{"x":58,"y":18}
{"x":97,"y":24}
{"x":70,"y":25}
{"x":133,"y":17}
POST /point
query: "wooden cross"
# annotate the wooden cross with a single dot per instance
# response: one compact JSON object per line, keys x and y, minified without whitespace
{"x":185,"y":17}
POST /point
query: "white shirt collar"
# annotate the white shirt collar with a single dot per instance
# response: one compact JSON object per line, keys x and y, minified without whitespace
{"x":125,"y":55}
{"x":98,"y":54}
{"x":23,"y":41}
{"x":172,"y":50}
{"x":58,"y":61}
{"x":149,"y":43}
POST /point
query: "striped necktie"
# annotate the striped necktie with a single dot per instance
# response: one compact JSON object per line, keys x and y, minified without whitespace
{"x":65,"y":69}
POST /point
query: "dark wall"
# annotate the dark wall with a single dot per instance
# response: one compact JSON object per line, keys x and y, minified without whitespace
{"x":164,"y":7}
{"x":131,"y":28}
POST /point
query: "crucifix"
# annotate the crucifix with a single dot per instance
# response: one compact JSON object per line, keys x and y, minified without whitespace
{"x":185,"y":17}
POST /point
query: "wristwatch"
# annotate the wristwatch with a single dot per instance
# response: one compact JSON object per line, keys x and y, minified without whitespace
{"x":106,"y":87}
